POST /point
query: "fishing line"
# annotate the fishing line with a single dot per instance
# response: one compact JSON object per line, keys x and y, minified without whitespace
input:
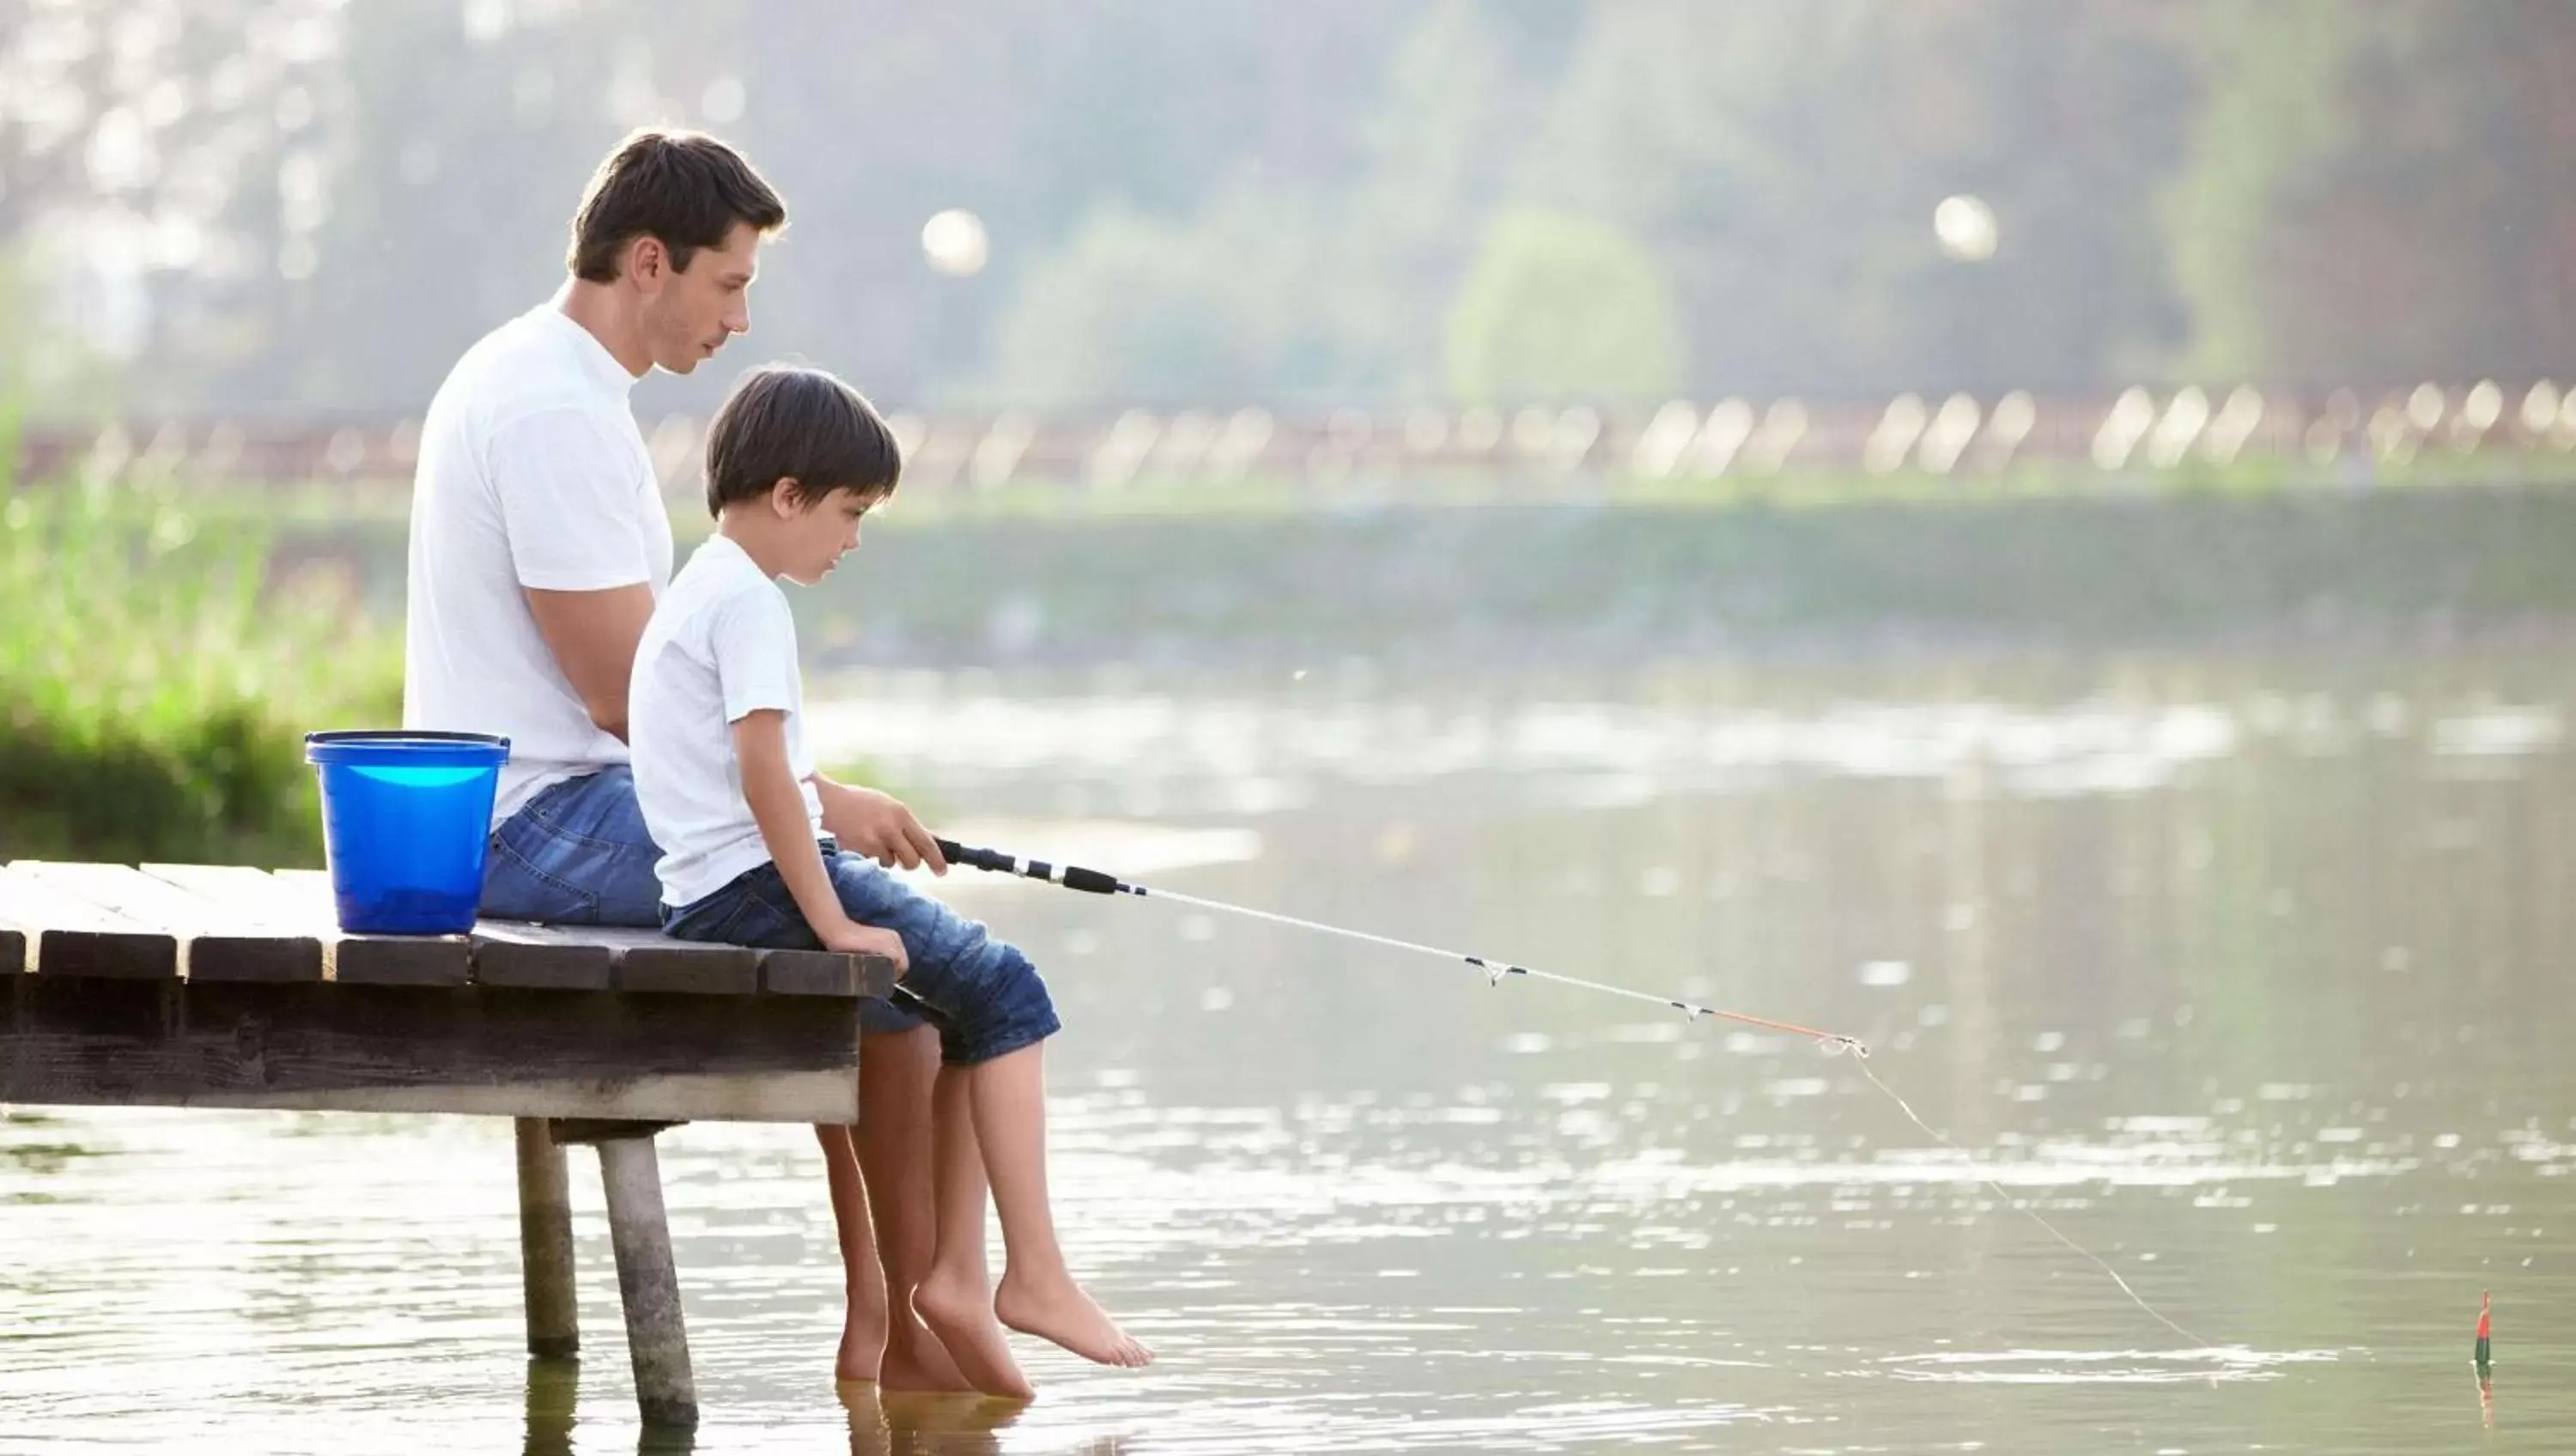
{"x":1074,"y":877}
{"x":2023,"y":1208}
{"x":1095,"y":882}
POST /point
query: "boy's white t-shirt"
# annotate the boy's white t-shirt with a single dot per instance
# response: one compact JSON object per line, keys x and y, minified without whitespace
{"x":721,"y":644}
{"x":532,"y":474}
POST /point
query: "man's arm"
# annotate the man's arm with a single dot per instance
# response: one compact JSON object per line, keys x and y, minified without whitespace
{"x":592,"y":635}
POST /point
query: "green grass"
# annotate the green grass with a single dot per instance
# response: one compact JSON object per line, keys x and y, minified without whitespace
{"x":155,"y":683}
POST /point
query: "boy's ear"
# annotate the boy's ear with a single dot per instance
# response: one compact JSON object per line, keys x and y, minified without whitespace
{"x":782,"y":497}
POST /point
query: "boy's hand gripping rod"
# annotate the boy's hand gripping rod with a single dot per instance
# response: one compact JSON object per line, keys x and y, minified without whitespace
{"x":1074,"y":877}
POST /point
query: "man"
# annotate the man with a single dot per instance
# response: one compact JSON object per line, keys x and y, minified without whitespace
{"x":538,"y":542}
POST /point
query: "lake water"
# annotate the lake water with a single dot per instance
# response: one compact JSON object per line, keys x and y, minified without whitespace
{"x":2248,"y":974}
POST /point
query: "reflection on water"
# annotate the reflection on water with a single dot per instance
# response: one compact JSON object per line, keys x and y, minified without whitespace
{"x":2131,"y":1367}
{"x":2243,"y":975}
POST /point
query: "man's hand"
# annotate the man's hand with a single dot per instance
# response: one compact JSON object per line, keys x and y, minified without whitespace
{"x":849,"y":937}
{"x":878,"y":826}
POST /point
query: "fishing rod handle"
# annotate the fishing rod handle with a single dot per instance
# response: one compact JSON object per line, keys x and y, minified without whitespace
{"x":1072,"y":877}
{"x":981,"y":859}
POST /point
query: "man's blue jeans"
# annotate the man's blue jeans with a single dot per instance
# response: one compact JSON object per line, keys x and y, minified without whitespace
{"x":576,"y":854}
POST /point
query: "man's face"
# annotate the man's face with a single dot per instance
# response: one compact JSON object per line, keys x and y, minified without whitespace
{"x":689,"y":315}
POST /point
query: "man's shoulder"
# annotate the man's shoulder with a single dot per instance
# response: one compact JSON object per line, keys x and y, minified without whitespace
{"x":517,"y":371}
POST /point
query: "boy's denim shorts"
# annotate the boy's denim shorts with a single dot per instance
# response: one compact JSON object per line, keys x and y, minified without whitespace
{"x":983,"y":994}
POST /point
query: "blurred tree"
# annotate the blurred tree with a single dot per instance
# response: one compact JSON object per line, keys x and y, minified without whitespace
{"x":310,"y":206}
{"x":1332,"y":284}
{"x":1561,"y":307}
{"x":2271,"y":113}
{"x":1462,"y":99}
{"x":2381,"y":195}
{"x":46,"y":369}
{"x":428,"y":202}
{"x":128,"y":133}
{"x":1148,"y":312}
{"x":1085,"y":136}
{"x":1784,"y":158}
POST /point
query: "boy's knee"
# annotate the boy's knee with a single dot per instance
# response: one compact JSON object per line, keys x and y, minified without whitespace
{"x":1013,"y":1010}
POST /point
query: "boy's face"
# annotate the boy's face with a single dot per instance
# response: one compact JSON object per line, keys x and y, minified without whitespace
{"x":818,"y":533}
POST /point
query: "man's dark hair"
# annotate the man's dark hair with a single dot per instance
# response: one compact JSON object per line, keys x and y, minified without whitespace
{"x":683,"y":187}
{"x":783,"y":423}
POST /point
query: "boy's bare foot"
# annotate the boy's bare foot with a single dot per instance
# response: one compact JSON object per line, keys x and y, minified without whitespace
{"x":958,"y":1313}
{"x":863,"y":1334}
{"x":916,"y":1361}
{"x":860,"y":1357}
{"x":1058,"y":1310}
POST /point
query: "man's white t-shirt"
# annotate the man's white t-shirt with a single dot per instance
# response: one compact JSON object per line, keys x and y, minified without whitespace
{"x":532,"y":475}
{"x":721,"y":644}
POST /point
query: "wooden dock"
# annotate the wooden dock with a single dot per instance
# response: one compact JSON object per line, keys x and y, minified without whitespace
{"x":222,"y":986}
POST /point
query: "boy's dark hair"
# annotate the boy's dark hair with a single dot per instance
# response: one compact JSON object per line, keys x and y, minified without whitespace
{"x":783,"y":422}
{"x":683,"y":187}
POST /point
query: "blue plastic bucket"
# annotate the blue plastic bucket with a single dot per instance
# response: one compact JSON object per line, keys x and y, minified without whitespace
{"x":405,"y":821}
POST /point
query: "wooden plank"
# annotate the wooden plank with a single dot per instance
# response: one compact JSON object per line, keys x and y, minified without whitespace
{"x":302,"y":898}
{"x":473,"y":1049}
{"x":540,"y":957}
{"x":220,"y":939}
{"x":779,"y":972}
{"x":649,"y":961}
{"x":689,"y":968}
{"x":381,"y":960}
{"x":69,"y":937}
{"x":254,"y":889}
{"x":523,"y":954}
{"x":402,"y":960}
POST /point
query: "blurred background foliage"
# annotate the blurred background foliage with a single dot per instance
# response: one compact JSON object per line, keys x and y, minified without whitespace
{"x":310,"y":206}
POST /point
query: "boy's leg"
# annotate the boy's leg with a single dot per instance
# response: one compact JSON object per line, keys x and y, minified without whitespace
{"x":1037,"y":1295}
{"x":957,"y":1296}
{"x":863,"y":1334}
{"x":893,"y":1141}
{"x":881,"y":1174}
{"x":994,"y":1014}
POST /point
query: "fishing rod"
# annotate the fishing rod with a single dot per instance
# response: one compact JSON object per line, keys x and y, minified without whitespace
{"x":1095,"y":882}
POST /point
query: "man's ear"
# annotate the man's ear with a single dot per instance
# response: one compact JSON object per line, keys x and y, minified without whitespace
{"x":783,"y":498}
{"x":647,"y":260}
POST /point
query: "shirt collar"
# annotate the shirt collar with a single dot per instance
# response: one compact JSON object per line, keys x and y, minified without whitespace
{"x":596,"y":361}
{"x":729,"y":552}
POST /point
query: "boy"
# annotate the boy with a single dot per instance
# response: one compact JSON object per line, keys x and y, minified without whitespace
{"x":794,"y":459}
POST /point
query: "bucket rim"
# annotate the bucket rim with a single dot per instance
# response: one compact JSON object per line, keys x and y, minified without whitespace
{"x":426,"y":738}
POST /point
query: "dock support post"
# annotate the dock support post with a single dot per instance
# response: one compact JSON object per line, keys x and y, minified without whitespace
{"x":648,"y":1281}
{"x":545,"y":1244}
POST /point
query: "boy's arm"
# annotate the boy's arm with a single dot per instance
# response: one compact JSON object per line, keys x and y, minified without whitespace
{"x":876,"y":824}
{"x":769,"y":788}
